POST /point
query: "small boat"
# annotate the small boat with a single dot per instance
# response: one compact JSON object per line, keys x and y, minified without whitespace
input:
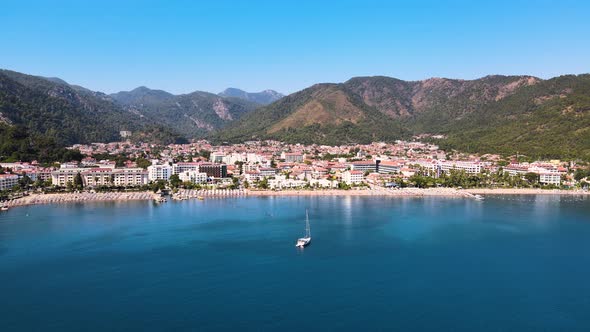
{"x":200,"y":198}
{"x":4,"y":208}
{"x":304,"y":241}
{"x":478,"y":197}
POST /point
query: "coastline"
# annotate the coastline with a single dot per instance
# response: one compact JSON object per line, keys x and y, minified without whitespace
{"x":525,"y":191}
{"x":38,"y":199}
{"x":58,"y":198}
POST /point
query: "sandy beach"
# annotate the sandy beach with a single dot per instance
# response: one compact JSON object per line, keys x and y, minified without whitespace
{"x":412,"y":192}
{"x":34,"y":199}
{"x":525,"y":191}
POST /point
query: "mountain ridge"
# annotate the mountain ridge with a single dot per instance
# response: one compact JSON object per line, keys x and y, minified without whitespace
{"x":451,"y":107}
{"x":264,"y":97}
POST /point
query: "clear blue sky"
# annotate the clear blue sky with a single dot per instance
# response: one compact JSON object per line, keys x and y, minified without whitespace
{"x":182,"y":46}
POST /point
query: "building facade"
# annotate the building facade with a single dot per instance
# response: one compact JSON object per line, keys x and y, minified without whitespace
{"x":7,"y":181}
{"x":159,"y":172}
{"x":214,"y":170}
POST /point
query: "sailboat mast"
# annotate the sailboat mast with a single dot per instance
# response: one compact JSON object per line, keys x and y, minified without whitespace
{"x":307,"y":229}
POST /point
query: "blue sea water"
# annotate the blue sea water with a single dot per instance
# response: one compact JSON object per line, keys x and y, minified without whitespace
{"x":515,"y":263}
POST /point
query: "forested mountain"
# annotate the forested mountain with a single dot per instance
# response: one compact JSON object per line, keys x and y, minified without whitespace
{"x":548,"y":119}
{"x":323,"y":113}
{"x":37,"y":113}
{"x":193,"y":115}
{"x":263,"y":98}
{"x":491,"y":114}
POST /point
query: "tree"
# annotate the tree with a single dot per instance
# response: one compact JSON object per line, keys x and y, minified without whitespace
{"x":25,"y":181}
{"x":532,"y":178}
{"x":143,"y":163}
{"x":263,"y":184}
{"x":78,"y":182}
{"x":175,"y":181}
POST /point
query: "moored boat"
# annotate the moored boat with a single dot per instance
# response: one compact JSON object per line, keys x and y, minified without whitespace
{"x":304,"y":241}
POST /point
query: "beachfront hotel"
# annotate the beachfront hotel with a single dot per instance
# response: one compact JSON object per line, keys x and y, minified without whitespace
{"x":159,"y":172}
{"x":352,"y":177}
{"x":8,"y":181}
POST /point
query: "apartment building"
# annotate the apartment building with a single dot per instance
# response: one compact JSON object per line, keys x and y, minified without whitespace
{"x":184,"y":167}
{"x":467,"y":166}
{"x":292,"y":157}
{"x":94,"y":177}
{"x":126,"y":177}
{"x":7,"y":181}
{"x":363,"y":166}
{"x":62,"y":176}
{"x":214,"y":170}
{"x":352,"y":177}
{"x":159,"y":172}
{"x":193,"y":176}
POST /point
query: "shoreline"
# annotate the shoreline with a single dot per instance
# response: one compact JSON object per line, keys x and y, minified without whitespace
{"x":58,"y":198}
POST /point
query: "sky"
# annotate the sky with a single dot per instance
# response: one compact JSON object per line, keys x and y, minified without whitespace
{"x":183,"y":46}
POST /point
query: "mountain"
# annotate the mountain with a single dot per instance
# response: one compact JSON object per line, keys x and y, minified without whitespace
{"x":490,"y":114}
{"x":37,"y":114}
{"x":550,"y":119}
{"x":193,"y":115}
{"x":263,"y":98}
{"x":323,"y":113}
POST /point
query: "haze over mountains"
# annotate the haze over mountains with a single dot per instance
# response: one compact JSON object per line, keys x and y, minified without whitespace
{"x":491,"y":114}
{"x":264,"y":97}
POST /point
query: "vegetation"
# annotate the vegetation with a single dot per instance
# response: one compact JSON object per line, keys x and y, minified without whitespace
{"x":323,"y":114}
{"x":495,"y":114}
{"x":191,"y":115}
{"x":39,"y":117}
{"x":18,"y":144}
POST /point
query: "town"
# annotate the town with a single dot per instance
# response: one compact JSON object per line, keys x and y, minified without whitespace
{"x":277,"y":166}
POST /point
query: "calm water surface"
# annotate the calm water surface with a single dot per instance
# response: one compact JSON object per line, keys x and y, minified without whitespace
{"x":399,"y":264}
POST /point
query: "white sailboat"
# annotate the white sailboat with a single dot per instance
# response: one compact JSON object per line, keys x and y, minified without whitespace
{"x":304,"y":241}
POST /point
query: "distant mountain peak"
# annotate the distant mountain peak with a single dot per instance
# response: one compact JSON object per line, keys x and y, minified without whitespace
{"x":264,"y":97}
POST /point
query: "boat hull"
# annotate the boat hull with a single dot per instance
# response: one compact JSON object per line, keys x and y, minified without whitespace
{"x":303,"y":242}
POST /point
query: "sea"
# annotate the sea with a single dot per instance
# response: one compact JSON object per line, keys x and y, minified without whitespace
{"x":508,"y":263}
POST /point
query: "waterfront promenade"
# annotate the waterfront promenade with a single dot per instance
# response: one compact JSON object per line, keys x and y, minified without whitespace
{"x":183,"y":194}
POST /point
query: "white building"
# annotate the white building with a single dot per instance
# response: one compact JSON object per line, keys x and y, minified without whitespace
{"x":252,"y":176}
{"x":130,"y":177}
{"x":292,"y":157}
{"x":550,"y":178}
{"x":469,"y":167}
{"x":192,"y":176}
{"x":217,"y":157}
{"x":123,"y":177}
{"x":323,"y":183}
{"x":183,"y":167}
{"x":267,"y":171}
{"x":352,"y":177}
{"x":93,"y":177}
{"x":7,"y":181}
{"x":388,"y":167}
{"x":159,"y":172}
{"x":363,"y":166}
{"x":62,"y":176}
{"x":281,"y":182}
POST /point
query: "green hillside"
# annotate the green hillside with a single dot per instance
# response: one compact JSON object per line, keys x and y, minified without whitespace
{"x":323,"y":114}
{"x":493,"y":114}
{"x":42,"y":114}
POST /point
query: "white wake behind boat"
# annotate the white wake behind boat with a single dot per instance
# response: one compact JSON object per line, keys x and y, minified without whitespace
{"x":304,"y":241}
